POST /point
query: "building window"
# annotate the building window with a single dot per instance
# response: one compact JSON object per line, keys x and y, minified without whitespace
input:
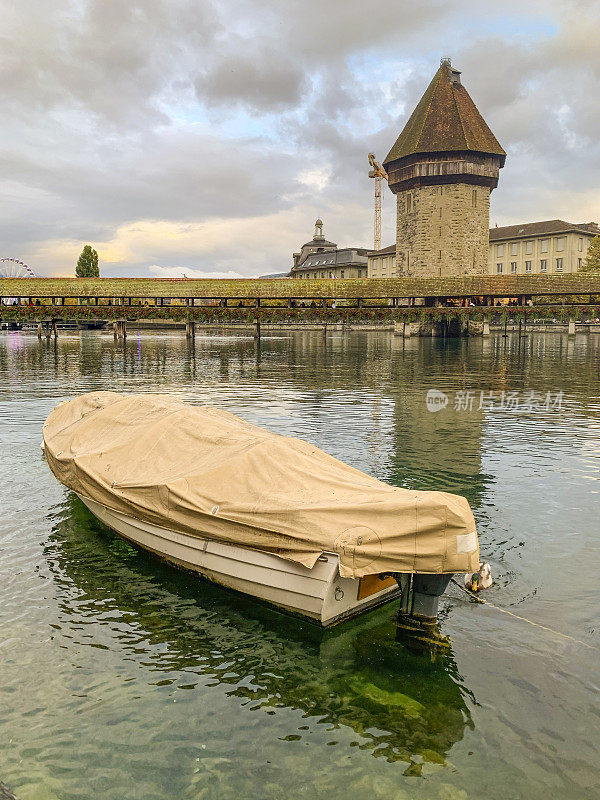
{"x":474,"y":198}
{"x":544,"y":245}
{"x":528,"y":248}
{"x":499,"y":249}
{"x":560,"y":244}
{"x":514,"y":248}
{"x":579,"y":263}
{"x":440,"y":230}
{"x":580,"y":244}
{"x":528,"y":266}
{"x":322,"y":274}
{"x":513,"y":266}
{"x":499,"y":269}
{"x":559,"y":265}
{"x":543,"y":265}
{"x":342,"y":273}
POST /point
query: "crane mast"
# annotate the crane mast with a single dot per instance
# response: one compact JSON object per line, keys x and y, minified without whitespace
{"x":377,"y":172}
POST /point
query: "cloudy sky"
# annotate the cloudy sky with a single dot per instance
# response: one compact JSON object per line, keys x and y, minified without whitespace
{"x":206,"y":137}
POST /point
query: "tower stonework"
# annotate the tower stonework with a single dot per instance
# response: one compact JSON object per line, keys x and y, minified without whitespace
{"x":442,"y":169}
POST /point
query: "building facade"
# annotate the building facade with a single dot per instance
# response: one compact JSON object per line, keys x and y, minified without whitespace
{"x":382,"y":263}
{"x":535,"y":248}
{"x":442,"y":169}
{"x":322,"y":259}
{"x":531,"y":248}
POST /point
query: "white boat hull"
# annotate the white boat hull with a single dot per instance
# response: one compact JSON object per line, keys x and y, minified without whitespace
{"x":319,"y":594}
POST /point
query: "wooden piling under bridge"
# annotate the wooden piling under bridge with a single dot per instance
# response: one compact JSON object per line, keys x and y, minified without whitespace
{"x":120,"y":329}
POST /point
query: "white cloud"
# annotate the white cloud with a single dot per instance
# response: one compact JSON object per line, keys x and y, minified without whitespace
{"x":315,"y":178}
{"x":186,"y":272}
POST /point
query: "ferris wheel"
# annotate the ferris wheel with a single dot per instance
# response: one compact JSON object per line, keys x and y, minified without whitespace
{"x":13,"y":268}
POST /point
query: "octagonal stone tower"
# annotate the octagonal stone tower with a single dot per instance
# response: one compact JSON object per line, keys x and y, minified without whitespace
{"x":442,"y":169}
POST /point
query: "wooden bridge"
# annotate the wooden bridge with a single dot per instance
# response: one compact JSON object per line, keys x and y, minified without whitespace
{"x":574,"y":297}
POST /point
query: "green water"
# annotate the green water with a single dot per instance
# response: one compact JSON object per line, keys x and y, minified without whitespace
{"x":122,"y":678}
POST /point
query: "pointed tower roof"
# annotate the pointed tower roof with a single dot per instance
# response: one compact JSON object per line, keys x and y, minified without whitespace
{"x":445,"y":120}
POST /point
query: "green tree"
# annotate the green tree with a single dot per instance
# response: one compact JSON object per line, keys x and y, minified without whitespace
{"x":592,"y":261}
{"x":87,"y":263}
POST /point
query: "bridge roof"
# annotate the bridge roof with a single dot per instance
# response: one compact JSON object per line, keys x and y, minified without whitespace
{"x":500,"y":286}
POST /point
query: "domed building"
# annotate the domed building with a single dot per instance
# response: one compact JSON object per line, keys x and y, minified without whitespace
{"x":320,"y":258}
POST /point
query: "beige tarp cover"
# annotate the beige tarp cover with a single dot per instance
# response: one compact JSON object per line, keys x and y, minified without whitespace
{"x":204,"y":471}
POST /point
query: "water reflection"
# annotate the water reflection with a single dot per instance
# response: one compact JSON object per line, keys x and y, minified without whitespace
{"x":400,"y":706}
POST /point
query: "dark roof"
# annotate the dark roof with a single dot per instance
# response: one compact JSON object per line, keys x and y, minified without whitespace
{"x":346,"y":256}
{"x":385,"y":251}
{"x":550,"y":226}
{"x":445,"y":120}
{"x":319,"y":243}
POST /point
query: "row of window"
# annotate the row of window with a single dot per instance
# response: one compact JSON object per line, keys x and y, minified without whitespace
{"x":513,"y":247}
{"x":362,"y":273}
{"x":543,"y":266}
{"x":316,"y":263}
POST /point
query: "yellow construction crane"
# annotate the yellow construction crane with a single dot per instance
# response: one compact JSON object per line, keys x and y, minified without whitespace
{"x":377,"y":172}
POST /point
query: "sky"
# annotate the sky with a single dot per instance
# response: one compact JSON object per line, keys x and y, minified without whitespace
{"x":204,"y":138}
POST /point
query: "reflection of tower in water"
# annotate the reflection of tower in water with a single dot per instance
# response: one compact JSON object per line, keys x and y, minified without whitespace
{"x":436,"y":450}
{"x":400,"y":706}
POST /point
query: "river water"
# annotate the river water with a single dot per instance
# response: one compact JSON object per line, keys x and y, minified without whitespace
{"x":121,"y":677}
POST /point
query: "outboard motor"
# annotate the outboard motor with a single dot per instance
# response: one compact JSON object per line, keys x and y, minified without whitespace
{"x":421,"y":593}
{"x":417,"y":618}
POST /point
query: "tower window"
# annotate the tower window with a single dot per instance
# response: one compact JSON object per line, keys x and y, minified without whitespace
{"x":580,"y":244}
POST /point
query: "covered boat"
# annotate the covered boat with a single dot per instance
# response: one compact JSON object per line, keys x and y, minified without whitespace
{"x":268,"y":515}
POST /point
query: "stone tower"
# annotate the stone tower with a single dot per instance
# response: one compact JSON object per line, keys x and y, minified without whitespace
{"x":442,"y":169}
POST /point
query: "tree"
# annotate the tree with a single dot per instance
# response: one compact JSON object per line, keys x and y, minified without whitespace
{"x":87,"y":263}
{"x":592,"y":261}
